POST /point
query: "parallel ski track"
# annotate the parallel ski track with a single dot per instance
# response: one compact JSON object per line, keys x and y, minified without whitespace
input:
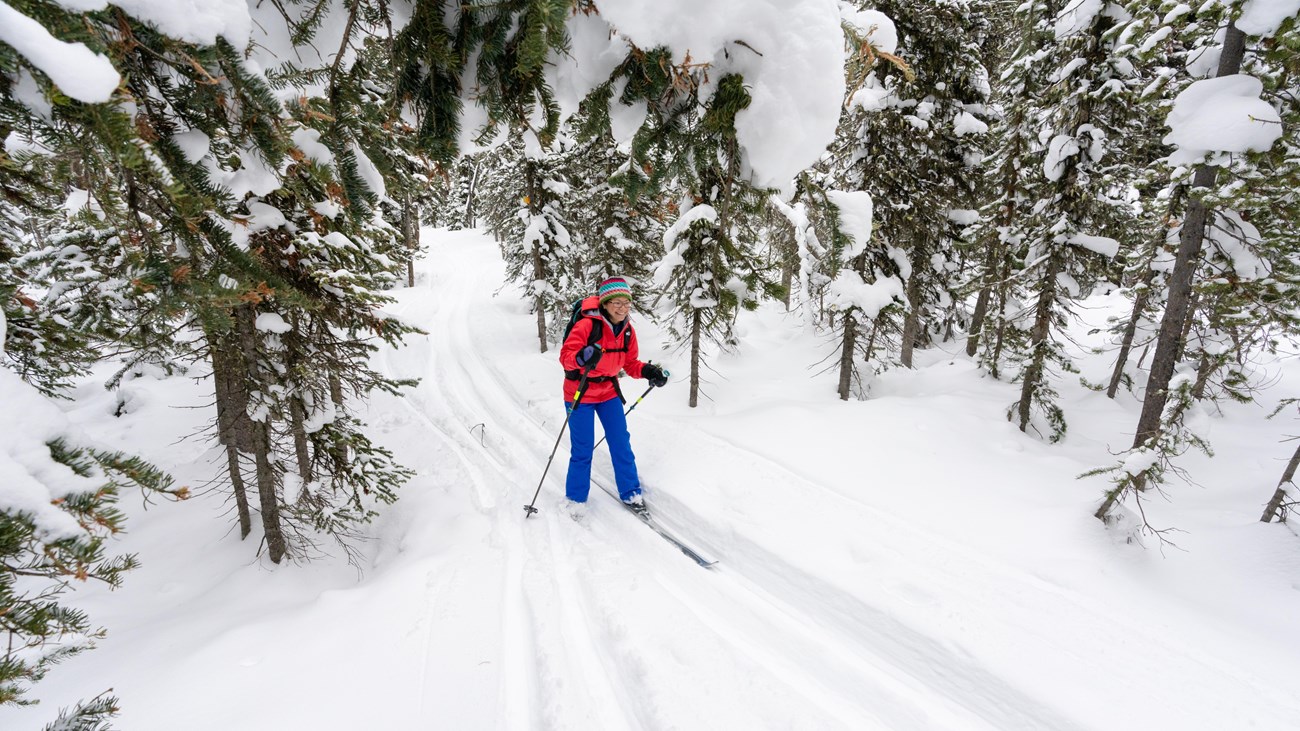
{"x":536,"y":574}
{"x":893,"y":684}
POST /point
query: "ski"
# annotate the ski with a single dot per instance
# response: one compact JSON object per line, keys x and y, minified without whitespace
{"x":663,"y":532}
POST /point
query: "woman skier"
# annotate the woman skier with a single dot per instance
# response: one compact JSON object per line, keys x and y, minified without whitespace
{"x":602,"y":345}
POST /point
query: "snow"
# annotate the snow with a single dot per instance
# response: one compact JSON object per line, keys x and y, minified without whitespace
{"x":789,"y":53}
{"x":968,"y":124}
{"x":195,"y":144}
{"x":963,"y":216}
{"x":1059,"y":151}
{"x":873,"y":25}
{"x":1076,"y":17}
{"x":308,"y":140}
{"x":328,"y":209}
{"x":906,"y":562}
{"x":673,"y":258}
{"x":1265,"y":17}
{"x":196,"y":21}
{"x":27,"y":91}
{"x":855,"y":218}
{"x":1103,"y":245}
{"x":272,"y":322}
{"x":1234,"y":238}
{"x":601,"y":51}
{"x":30,"y":481}
{"x":374,"y":180}
{"x":262,"y":216}
{"x":253,"y":176}
{"x":79,"y":72}
{"x":849,"y":290}
{"x":1223,"y":114}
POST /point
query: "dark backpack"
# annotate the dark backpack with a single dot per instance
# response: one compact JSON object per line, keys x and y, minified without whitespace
{"x":575,"y":314}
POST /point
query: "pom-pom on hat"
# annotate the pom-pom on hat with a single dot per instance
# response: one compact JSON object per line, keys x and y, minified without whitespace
{"x":613,"y":287}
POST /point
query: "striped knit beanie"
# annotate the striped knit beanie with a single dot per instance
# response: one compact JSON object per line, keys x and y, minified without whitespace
{"x":613,"y":287}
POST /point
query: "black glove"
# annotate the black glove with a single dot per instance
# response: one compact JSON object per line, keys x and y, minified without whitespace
{"x":658,"y":377}
{"x":588,"y":357}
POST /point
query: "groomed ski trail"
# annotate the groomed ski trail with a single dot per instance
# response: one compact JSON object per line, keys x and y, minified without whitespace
{"x":603,"y":593}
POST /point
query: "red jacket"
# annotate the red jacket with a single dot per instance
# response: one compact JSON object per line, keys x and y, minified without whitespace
{"x":611,"y":364}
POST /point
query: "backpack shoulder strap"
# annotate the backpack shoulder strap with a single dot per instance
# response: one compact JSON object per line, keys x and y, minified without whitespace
{"x":597,"y":329}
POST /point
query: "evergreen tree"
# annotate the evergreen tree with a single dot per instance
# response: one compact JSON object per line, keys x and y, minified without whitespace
{"x":918,"y":132}
{"x":54,"y":529}
{"x":709,"y":271}
{"x":1215,"y":289}
{"x":1082,"y":116}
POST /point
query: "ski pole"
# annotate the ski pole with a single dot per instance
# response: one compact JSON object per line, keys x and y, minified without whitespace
{"x":577,"y":398}
{"x":625,"y":413}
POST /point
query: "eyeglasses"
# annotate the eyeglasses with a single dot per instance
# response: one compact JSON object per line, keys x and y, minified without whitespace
{"x":620,"y":304}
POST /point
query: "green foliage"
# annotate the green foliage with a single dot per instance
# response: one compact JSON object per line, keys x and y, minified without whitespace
{"x":38,"y":566}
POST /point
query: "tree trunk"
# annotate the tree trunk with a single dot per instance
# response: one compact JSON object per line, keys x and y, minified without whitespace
{"x":912,"y":321}
{"x":1130,"y":332}
{"x":470,"y":217}
{"x":268,"y":499}
{"x":241,"y":494}
{"x":871,"y":340}
{"x":539,"y":266}
{"x":1190,"y":240}
{"x":232,"y":423}
{"x":1000,"y":334}
{"x":539,"y":303}
{"x":982,"y":301}
{"x":410,"y":235}
{"x":1274,"y":508}
{"x":300,"y":446}
{"x":1039,"y":335}
{"x":696,"y":327}
{"x":846,"y":354}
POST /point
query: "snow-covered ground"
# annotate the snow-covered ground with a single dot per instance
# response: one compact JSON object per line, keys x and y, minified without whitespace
{"x":906,"y":562}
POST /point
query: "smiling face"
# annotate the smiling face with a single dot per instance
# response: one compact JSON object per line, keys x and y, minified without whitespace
{"x":618,"y":309}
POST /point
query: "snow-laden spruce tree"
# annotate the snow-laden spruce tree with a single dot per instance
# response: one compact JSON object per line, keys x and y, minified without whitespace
{"x":227,"y":196}
{"x":709,"y":271}
{"x":993,"y":330}
{"x":918,"y":131}
{"x":1228,"y":268}
{"x":615,"y":234}
{"x":1072,"y":193}
{"x":57,"y":515}
{"x":534,"y":231}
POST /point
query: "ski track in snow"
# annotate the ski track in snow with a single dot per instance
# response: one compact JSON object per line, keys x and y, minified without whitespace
{"x":588,"y":586}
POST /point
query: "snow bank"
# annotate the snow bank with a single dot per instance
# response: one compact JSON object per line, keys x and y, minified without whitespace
{"x":1223,"y":114}
{"x":79,"y":72}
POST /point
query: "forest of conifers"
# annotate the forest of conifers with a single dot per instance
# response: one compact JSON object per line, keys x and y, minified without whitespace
{"x":231,"y":196}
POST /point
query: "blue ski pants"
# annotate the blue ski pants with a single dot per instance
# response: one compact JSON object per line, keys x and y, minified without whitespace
{"x":582,"y":441}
